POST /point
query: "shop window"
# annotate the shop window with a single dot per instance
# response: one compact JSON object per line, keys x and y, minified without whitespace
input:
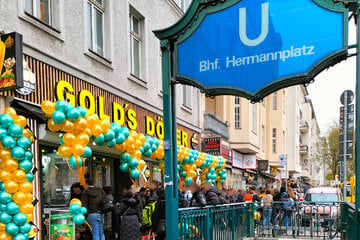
{"x":237,"y":112}
{"x":274,"y":140}
{"x":274,"y":101}
{"x":136,"y":43}
{"x":47,"y":11}
{"x":95,"y":18}
{"x":187,"y":96}
{"x":254,"y":117}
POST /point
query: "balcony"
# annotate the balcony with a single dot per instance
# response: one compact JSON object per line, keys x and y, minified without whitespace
{"x":304,"y":126}
{"x":304,"y":149}
{"x":213,"y":124}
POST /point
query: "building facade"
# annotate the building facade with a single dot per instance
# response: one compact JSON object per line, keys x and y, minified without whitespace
{"x":102,"y":55}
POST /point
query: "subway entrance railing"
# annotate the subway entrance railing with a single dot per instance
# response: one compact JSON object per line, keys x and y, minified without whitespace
{"x":320,"y":220}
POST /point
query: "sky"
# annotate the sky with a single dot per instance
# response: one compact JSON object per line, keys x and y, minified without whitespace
{"x":328,"y":86}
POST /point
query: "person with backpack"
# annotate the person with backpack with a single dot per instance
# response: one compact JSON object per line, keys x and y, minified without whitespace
{"x":92,"y":200}
{"x":129,"y":227}
{"x":212,"y":194}
{"x":158,"y":217}
{"x":288,"y":206}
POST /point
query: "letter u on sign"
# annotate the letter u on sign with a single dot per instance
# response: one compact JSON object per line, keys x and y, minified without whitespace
{"x":264,"y":26}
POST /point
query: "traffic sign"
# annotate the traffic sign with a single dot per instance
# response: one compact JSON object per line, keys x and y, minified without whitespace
{"x":282,"y":160}
{"x":350,"y":97}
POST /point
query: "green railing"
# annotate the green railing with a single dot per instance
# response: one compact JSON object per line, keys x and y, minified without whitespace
{"x":349,"y":221}
{"x":229,"y":221}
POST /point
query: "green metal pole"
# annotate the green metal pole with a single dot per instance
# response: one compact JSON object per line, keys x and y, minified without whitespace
{"x":169,"y":111}
{"x":357,"y":127}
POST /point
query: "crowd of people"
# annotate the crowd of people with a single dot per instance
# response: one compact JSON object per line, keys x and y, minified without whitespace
{"x":142,"y":211}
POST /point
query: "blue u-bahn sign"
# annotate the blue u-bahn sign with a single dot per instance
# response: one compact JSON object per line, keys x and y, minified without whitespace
{"x":254,"y":47}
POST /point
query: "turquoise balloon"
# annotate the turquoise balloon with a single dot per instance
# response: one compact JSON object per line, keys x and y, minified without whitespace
{"x":2,"y":207}
{"x":29,"y":155}
{"x":5,"y":217}
{"x":72,"y":114}
{"x":23,"y":142}
{"x":6,"y":120}
{"x":3,"y":132}
{"x":133,"y":163}
{"x":124,"y":167}
{"x":20,"y":218}
{"x":87,"y":152}
{"x":100,"y":140}
{"x":27,"y":236}
{"x":12,"y":229}
{"x":25,"y":228}
{"x":8,"y":142}
{"x":29,"y":176}
{"x":72,"y":162}
{"x":116,"y":127}
{"x":120,"y":139}
{"x":5,"y":197}
{"x":26,"y":165}
{"x":188,"y":180}
{"x":83,"y":210}
{"x":182,"y":173}
{"x":79,"y":219}
{"x":134,"y":173}
{"x":12,"y":208}
{"x":15,"y":130}
{"x":81,"y":111}
{"x":61,"y":140}
{"x":61,"y":105}
{"x":75,"y":208}
{"x":125,"y":157}
{"x":2,"y":186}
{"x":125,"y":131}
{"x":111,"y":143}
{"x":18,"y":153}
{"x":20,"y":236}
{"x":109,"y":135}
{"x":58,"y":117}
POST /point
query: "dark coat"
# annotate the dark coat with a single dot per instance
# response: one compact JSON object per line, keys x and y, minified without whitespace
{"x":198,"y":199}
{"x":129,"y":220}
{"x":213,"y":196}
{"x":182,"y":202}
{"x":92,"y":199}
{"x":158,"y":217}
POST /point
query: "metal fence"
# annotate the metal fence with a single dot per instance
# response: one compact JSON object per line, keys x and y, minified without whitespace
{"x":229,"y":221}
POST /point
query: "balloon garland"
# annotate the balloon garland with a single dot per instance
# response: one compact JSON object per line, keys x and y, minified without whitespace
{"x":78,"y":210}
{"x":16,"y":186}
{"x":81,"y":129}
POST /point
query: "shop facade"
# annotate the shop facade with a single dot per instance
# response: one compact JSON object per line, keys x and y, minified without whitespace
{"x":53,"y":179}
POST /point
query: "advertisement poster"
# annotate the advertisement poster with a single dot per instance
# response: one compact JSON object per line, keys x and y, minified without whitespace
{"x":11,"y":61}
{"x":212,"y":146}
{"x":62,"y":227}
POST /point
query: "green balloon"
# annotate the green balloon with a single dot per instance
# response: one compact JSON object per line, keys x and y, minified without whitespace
{"x":5,"y":217}
{"x":79,"y":219}
{"x":188,"y":180}
{"x":29,"y":176}
{"x":72,"y":162}
{"x":3,"y":132}
{"x":6,"y":120}
{"x":25,"y":228}
{"x":58,"y":117}
{"x":87,"y":152}
{"x":20,"y":218}
{"x":81,"y":111}
{"x":2,"y":207}
{"x":20,"y":236}
{"x":100,"y":140}
{"x":83,"y":210}
{"x":8,"y":142}
{"x":29,"y":155}
{"x":12,"y":208}
{"x":61,"y":105}
{"x":75,"y":208}
{"x":124,"y":167}
{"x":15,"y":130}
{"x":12,"y":229}
{"x":24,"y":142}
{"x":72,"y":114}
{"x":133,"y":163}
{"x":18,"y":153}
{"x":2,"y":186}
{"x":134,"y":173}
{"x":26,"y":165}
{"x":5,"y":197}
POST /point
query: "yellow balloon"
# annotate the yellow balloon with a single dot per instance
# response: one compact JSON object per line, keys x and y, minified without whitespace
{"x":91,"y":119}
{"x":80,"y":124}
{"x":64,"y":151}
{"x":68,"y":126}
{"x":48,"y":107}
{"x":5,"y":236}
{"x":11,"y":111}
{"x":20,"y":198}
{"x":19,"y":175}
{"x":5,"y":175}
{"x":77,"y":149}
{"x":53,"y":126}
{"x":105,"y":124}
{"x":27,"y":208}
{"x":26,"y":187}
{"x":120,"y":147}
{"x":29,"y":197}
{"x":11,"y":186}
{"x":96,"y":130}
{"x":83,"y":139}
{"x":10,"y":165}
{"x":69,"y":139}
{"x":2,"y":227}
{"x":29,"y":217}
{"x":142,"y":164}
{"x":76,"y":200}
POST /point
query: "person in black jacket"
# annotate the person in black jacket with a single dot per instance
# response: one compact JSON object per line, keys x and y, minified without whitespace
{"x":212,"y":194}
{"x":158,"y":217}
{"x":129,"y":218}
{"x":198,"y":198}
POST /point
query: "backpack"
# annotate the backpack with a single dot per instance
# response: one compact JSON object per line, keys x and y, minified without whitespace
{"x":147,"y":214}
{"x":106,"y":204}
{"x":288,"y":203}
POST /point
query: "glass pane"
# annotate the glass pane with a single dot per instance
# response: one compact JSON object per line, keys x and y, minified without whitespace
{"x":98,"y":34}
{"x":135,"y":25}
{"x":44,"y":11}
{"x":89,"y":13}
{"x":100,"y":1}
{"x":136,"y":57}
{"x":29,"y":6}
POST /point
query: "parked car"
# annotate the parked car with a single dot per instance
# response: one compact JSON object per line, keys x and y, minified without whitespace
{"x":321,"y":206}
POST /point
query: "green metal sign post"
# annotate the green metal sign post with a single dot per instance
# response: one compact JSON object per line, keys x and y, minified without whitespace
{"x":357,"y":128}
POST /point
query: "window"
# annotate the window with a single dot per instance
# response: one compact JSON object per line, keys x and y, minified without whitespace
{"x":274,"y":140}
{"x":187,"y":96}
{"x":135,"y":45}
{"x":183,"y":4}
{"x":284,"y":141}
{"x":274,"y":101}
{"x":263,"y":138}
{"x":254,"y":111}
{"x":237,"y":112}
{"x":95,"y":15}
{"x":47,"y":11}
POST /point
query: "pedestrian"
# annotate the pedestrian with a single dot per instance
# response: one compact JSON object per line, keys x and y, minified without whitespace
{"x":154,"y":186}
{"x":140,"y":198}
{"x":182,"y":202}
{"x":198,"y":198}
{"x":92,"y":200}
{"x":158,"y":218}
{"x":255,"y":197}
{"x":212,"y":194}
{"x":288,"y":206}
{"x":76,"y":191}
{"x":129,"y":218}
{"x":108,"y":217}
{"x":267,"y":201}
{"x":241,"y":196}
